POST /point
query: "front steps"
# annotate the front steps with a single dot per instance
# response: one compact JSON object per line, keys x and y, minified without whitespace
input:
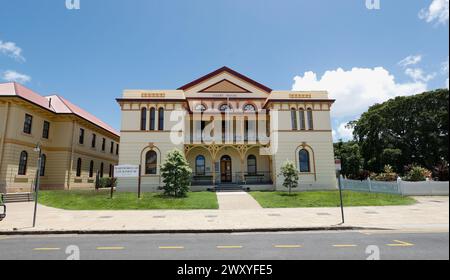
{"x":228,"y":188}
{"x":17,"y":197}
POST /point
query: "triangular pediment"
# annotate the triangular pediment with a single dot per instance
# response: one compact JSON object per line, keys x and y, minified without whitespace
{"x":225,"y":80}
{"x":224,"y":86}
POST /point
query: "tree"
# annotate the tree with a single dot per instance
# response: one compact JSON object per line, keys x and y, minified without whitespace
{"x":176,"y":174}
{"x":404,"y":131}
{"x":290,"y":174}
{"x":350,"y":156}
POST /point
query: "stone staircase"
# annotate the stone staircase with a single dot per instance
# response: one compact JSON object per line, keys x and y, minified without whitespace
{"x":17,"y":197}
{"x":229,"y":188}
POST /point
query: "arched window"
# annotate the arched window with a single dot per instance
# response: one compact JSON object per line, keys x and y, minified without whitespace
{"x":78,"y":167}
{"x":23,"y":161}
{"x":200,"y":108}
{"x":91,"y":169}
{"x":252,"y":165}
{"x":294,"y":119}
{"x":304,"y":161}
{"x":302,"y":119}
{"x":144,"y":119}
{"x":101,"y":169}
{"x":249,"y":108}
{"x":310,"y":119}
{"x":225,"y":108}
{"x":111,"y":171}
{"x":161,"y":119}
{"x":43,"y":163}
{"x":152,"y":118}
{"x":151,"y":163}
{"x":200,"y":165}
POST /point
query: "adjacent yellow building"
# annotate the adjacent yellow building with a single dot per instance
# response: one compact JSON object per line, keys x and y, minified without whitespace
{"x":75,"y":144}
{"x":233,"y":130}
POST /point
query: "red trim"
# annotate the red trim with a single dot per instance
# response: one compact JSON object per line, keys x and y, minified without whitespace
{"x":225,"y":69}
{"x":243,"y":90}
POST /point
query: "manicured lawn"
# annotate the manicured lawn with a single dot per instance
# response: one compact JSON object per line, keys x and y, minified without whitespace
{"x":327,"y":199}
{"x":92,"y":200}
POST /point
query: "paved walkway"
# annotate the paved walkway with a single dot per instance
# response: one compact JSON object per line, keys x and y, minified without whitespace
{"x":431,"y":213}
{"x":237,"y":201}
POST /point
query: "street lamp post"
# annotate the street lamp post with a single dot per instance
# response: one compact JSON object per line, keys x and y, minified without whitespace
{"x":38,"y":175}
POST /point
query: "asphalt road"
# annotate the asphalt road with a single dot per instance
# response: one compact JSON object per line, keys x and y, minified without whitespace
{"x":244,"y":246}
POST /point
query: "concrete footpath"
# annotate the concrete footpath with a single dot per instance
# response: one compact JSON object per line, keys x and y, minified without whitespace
{"x":430,"y":213}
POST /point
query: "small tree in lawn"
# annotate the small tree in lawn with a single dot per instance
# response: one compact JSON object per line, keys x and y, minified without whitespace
{"x":176,"y":174}
{"x":290,"y":175}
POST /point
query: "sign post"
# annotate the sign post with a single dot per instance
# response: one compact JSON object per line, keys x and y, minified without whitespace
{"x":338,"y":172}
{"x":139,"y":183}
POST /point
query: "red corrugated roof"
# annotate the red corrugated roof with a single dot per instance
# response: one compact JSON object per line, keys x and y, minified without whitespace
{"x":58,"y":104}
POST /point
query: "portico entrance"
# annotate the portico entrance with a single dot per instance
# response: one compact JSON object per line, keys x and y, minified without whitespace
{"x":226,"y":174}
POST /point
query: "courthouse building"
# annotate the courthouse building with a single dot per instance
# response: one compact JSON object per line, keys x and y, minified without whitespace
{"x":75,"y":145}
{"x":233,"y":131}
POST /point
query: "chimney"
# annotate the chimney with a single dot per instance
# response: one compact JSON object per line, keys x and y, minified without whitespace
{"x":49,"y":103}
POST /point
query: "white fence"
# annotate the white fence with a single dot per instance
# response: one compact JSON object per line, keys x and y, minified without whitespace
{"x":425,"y":188}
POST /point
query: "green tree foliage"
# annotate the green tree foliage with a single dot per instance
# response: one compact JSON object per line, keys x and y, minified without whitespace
{"x":405,"y":131}
{"x":351,"y":159}
{"x":290,"y":174}
{"x":176,"y":174}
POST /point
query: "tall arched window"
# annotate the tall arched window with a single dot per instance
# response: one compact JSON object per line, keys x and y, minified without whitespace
{"x":78,"y":167}
{"x":101,"y":169}
{"x":151,"y":163}
{"x":310,"y":119}
{"x":302,"y":119}
{"x":161,"y":119}
{"x":252,"y":165}
{"x":304,"y":159}
{"x":200,"y":165}
{"x":23,"y":161}
{"x":294,"y":119}
{"x":152,"y":118}
{"x":111,"y":171}
{"x":91,"y":169}
{"x":43,"y":163}
{"x":144,"y":119}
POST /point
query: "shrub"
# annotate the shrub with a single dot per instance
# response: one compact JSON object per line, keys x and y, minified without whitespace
{"x":417,"y":174}
{"x":176,"y":174}
{"x":440,"y":172}
{"x":104,"y":183}
{"x":387,"y":176}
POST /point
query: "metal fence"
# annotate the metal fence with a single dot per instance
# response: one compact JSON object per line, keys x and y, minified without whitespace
{"x":425,"y":188}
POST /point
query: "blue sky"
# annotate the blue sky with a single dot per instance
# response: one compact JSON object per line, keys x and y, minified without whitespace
{"x":90,"y":55}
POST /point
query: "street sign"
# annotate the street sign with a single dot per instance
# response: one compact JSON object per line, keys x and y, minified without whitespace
{"x":126,"y":171}
{"x":338,"y":164}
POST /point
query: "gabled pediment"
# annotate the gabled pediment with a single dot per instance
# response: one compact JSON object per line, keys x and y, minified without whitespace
{"x":225,"y":80}
{"x":225,"y":86}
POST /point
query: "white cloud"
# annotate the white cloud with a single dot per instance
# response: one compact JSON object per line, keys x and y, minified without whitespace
{"x":357,"y":89}
{"x":418,"y":75}
{"x":13,"y":76}
{"x":438,"y":12}
{"x":445,"y":72}
{"x":10,"y":49}
{"x":410,"y":60}
{"x":343,"y":133}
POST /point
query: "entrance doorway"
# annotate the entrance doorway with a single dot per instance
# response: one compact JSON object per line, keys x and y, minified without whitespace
{"x":226,"y":170}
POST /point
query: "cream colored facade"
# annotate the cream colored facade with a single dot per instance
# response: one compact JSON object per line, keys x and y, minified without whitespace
{"x":61,"y":149}
{"x":244,"y":144}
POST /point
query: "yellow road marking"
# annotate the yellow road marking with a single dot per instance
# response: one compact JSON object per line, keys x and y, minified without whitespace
{"x":345,"y":245}
{"x":110,"y":248}
{"x":287,"y":246}
{"x":229,"y":247}
{"x":400,"y":243}
{"x":46,"y":249}
{"x":171,"y":247}
{"x":3,"y":237}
